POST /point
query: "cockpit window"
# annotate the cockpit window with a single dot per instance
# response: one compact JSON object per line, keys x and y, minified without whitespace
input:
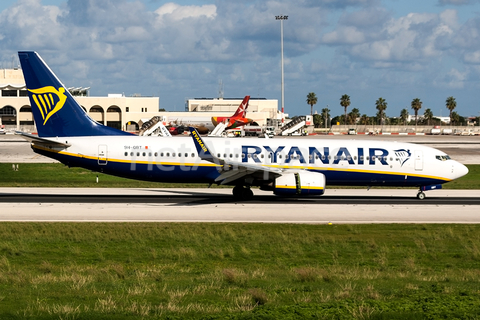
{"x":443,"y":158}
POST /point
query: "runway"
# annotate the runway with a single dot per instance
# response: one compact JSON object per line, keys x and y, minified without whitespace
{"x":217,"y":205}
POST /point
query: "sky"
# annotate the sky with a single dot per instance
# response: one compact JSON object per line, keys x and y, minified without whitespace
{"x":396,"y":49}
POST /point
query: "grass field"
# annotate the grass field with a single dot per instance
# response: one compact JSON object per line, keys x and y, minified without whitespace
{"x":238,"y":271}
{"x":231,"y":271}
{"x":58,"y":175}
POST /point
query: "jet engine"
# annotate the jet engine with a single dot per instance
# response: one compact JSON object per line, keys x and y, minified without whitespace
{"x":302,"y":183}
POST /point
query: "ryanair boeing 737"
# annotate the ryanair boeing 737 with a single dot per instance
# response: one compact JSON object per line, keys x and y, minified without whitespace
{"x":298,"y":167}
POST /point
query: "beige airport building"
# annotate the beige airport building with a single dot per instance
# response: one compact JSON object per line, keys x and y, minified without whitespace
{"x":119,"y":111}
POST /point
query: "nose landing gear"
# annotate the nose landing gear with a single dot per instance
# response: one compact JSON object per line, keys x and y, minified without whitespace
{"x":420,"y":195}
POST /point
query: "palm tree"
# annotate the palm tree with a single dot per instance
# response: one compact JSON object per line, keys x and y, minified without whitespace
{"x":404,"y":116}
{"x":364,"y":119}
{"x":345,"y":102}
{"x":311,"y":100}
{"x":353,"y":115}
{"x":454,"y":117}
{"x":451,"y":104}
{"x":416,"y":105}
{"x":428,"y":115}
{"x":381,"y":106}
{"x":326,"y":115}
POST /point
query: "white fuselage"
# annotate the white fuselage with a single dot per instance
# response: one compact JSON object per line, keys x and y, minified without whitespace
{"x":343,"y":162}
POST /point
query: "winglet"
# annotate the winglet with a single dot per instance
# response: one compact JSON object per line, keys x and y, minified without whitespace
{"x":202,"y":149}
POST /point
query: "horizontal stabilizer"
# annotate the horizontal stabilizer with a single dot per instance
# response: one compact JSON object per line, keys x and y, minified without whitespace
{"x":42,"y":141}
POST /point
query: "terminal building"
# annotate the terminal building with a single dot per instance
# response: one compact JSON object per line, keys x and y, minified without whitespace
{"x":122,"y":112}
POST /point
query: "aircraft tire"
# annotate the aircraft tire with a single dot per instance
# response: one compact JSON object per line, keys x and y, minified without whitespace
{"x":242,"y":193}
{"x":247,"y":194}
{"x":421,"y":195}
{"x":237,"y":192}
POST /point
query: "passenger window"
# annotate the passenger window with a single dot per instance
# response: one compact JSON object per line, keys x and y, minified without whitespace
{"x":131,"y":153}
{"x":126,"y":154}
{"x":156,"y":154}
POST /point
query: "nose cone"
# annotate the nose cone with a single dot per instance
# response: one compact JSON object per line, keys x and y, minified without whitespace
{"x":460,"y":170}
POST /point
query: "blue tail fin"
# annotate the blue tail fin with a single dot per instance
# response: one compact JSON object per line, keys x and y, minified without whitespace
{"x":55,"y":111}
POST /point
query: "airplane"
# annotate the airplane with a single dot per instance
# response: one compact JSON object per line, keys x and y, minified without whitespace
{"x":238,"y":119}
{"x":296,"y":167}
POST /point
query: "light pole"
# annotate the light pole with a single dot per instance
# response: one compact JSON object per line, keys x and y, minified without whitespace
{"x":281,"y":18}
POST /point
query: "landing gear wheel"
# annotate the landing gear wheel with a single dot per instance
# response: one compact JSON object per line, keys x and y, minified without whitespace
{"x":237,"y":192}
{"x":242,"y":193}
{"x":421,"y":195}
{"x":247,"y":194}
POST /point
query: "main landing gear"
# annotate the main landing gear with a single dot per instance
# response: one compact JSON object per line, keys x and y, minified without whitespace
{"x":242,"y":193}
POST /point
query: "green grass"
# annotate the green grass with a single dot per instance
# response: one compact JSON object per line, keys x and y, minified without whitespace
{"x":238,"y":271}
{"x":58,"y":175}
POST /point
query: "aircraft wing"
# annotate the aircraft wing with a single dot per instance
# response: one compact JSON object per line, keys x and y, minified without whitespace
{"x":42,"y":141}
{"x":232,"y":170}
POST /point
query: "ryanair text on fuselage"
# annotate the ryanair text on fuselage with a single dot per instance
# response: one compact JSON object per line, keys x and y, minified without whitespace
{"x":362,"y":156}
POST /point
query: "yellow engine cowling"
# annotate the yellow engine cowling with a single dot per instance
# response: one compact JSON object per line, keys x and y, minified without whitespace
{"x":302,"y":183}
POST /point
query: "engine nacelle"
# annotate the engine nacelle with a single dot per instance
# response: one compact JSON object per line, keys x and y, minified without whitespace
{"x":303,"y":183}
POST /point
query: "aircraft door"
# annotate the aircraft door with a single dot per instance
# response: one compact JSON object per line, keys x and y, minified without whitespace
{"x":418,"y":160}
{"x":102,"y":154}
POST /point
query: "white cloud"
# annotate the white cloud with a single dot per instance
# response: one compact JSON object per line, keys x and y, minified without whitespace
{"x":344,"y":35}
{"x":177,"y":12}
{"x":408,"y":38}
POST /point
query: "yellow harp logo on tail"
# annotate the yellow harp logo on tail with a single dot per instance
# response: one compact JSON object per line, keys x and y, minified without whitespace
{"x":48,"y":100}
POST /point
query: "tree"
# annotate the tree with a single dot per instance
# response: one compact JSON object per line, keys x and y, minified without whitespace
{"x":381,"y":106}
{"x":454,"y":117}
{"x":345,"y":102}
{"x":451,"y":104}
{"x":317,"y":120}
{"x":311,"y":100}
{"x":404,"y":116}
{"x":364,"y":119}
{"x":353,"y":115}
{"x":326,"y":115}
{"x":416,"y":105}
{"x":428,"y":115}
